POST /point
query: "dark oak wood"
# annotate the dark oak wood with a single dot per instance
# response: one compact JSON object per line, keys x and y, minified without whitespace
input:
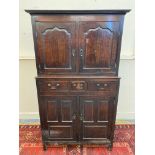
{"x":95,"y":117}
{"x":59,"y":117}
{"x":51,"y":85}
{"x":77,"y":60}
{"x":75,"y":44}
{"x":98,"y":46}
{"x":55,"y":47}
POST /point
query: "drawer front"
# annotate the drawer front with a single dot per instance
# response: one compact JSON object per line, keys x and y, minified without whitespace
{"x":78,"y":85}
{"x":70,"y":85}
{"x":102,"y":85}
{"x":51,"y":85}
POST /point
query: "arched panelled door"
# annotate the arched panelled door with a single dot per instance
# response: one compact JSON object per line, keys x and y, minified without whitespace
{"x":98,"y":46}
{"x":55,"y":47}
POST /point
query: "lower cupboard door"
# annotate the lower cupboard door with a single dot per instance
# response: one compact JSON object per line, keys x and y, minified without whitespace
{"x":58,"y":117}
{"x":95,"y":117}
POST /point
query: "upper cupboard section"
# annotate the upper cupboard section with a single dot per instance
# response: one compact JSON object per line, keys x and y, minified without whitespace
{"x":77,"y":44}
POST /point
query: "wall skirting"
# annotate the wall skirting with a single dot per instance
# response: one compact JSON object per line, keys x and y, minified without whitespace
{"x":125,"y":115}
{"x":28,"y":115}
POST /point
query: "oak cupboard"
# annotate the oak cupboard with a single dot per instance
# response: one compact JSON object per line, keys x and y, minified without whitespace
{"x":77,"y":60}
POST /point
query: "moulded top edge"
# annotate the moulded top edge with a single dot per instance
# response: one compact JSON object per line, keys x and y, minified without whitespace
{"x":78,"y":11}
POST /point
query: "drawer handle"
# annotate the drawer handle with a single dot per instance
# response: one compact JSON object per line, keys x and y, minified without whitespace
{"x":57,"y":84}
{"x":74,"y":84}
{"x":53,"y":87}
{"x":101,"y":87}
{"x":78,"y":85}
{"x":49,"y":85}
{"x":98,"y":85}
{"x":105,"y":84}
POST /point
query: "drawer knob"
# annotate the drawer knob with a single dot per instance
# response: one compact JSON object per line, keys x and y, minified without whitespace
{"x":98,"y":84}
{"x":49,"y":85}
{"x":74,"y":84}
{"x":105,"y":85}
{"x":52,"y":86}
{"x":57,"y":84}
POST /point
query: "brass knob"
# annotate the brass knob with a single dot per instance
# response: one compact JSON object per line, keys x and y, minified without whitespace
{"x":105,"y":84}
{"x":98,"y":84}
{"x":57,"y":84}
{"x":49,"y":85}
{"x":74,"y":84}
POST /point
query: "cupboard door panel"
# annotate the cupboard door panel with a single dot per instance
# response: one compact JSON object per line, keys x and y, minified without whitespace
{"x":60,"y":132}
{"x":52,"y":111}
{"x":59,"y":117}
{"x":95,"y":117}
{"x":95,"y":49}
{"x":66,"y":110}
{"x":98,"y":47}
{"x":100,"y":132}
{"x":102,"y":111}
{"x":55,"y":42}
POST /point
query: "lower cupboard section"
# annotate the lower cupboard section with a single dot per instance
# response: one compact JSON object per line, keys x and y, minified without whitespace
{"x":77,"y":118}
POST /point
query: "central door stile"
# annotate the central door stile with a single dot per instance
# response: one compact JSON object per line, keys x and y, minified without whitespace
{"x":77,"y":46}
{"x":77,"y":120}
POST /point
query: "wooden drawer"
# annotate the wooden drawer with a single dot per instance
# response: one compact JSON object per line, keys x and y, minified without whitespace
{"x":83,"y":85}
{"x":51,"y":85}
{"x":102,"y":85}
{"x":78,"y":85}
